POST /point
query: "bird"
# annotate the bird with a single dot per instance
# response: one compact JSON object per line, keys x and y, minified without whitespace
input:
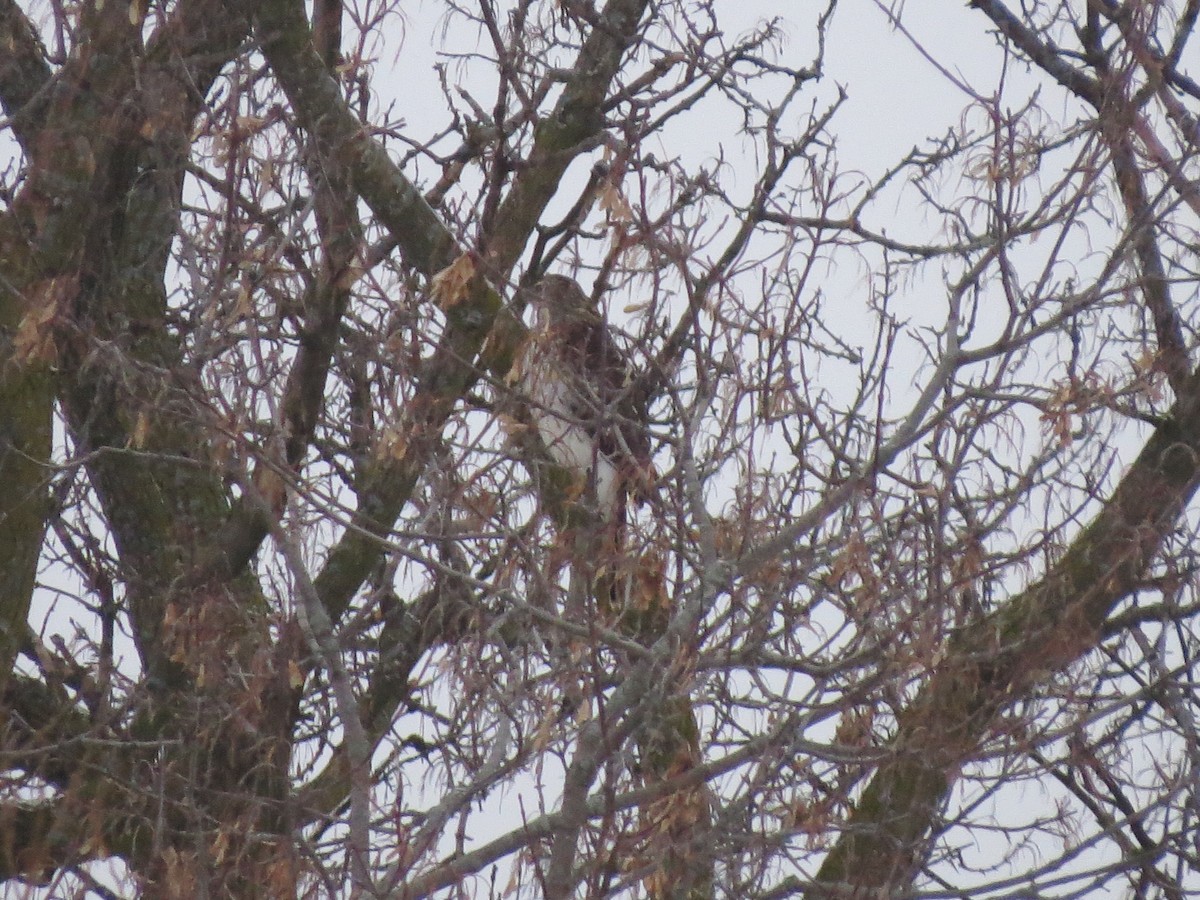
{"x":579,"y":386}
{"x":581,"y":391}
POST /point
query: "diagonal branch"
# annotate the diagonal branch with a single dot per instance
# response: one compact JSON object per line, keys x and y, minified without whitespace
{"x":428,"y":247}
{"x":1040,"y":632}
{"x":1044,"y":54}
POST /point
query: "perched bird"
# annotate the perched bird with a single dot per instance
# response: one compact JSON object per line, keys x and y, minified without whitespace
{"x":577,"y":382}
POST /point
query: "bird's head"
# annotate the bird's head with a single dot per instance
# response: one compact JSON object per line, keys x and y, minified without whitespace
{"x":559,"y":300}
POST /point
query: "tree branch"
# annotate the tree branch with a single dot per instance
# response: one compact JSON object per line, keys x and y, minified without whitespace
{"x":429,"y":247}
{"x":1042,"y":53}
{"x":1039,"y":633}
{"x":24,"y":72}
